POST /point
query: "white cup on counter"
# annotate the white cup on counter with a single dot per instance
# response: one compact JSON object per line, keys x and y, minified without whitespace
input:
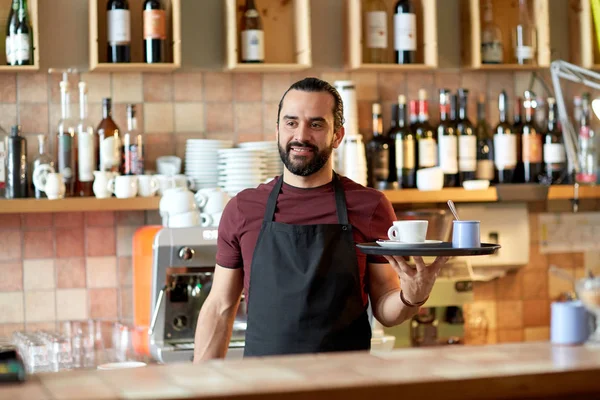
{"x":100,"y":185}
{"x":123,"y":186}
{"x":147,"y":185}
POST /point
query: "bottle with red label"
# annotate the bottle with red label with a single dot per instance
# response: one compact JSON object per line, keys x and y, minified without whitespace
{"x":155,"y":32}
{"x":531,"y":142}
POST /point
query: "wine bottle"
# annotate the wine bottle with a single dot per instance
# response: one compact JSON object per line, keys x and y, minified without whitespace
{"x":531,"y":142}
{"x":16,"y":165}
{"x":66,"y":150}
{"x":11,"y":31}
{"x":22,"y":44}
{"x":505,"y":144}
{"x":155,"y":32}
{"x":413,"y":114}
{"x":555,"y":158}
{"x":448,"y":141}
{"x":378,"y":153}
{"x":41,"y":165}
{"x":467,"y":141}
{"x":252,"y":35}
{"x":427,"y":143}
{"x":485,"y":145}
{"x":491,"y":38}
{"x":375,"y":32}
{"x":109,"y":141}
{"x":133,"y":147}
{"x":86,"y":143}
{"x":404,"y":145}
{"x":405,"y":32}
{"x":118,"y":31}
{"x":3,"y":138}
{"x":519,"y":176}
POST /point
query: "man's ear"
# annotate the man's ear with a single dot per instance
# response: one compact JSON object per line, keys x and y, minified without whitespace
{"x":338,"y":136}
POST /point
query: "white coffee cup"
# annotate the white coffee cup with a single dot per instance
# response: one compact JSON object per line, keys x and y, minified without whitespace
{"x":184,"y":220}
{"x":100,"y":185}
{"x":206,"y":220}
{"x":169,"y":182}
{"x":430,"y":179}
{"x":123,"y":186}
{"x":147,"y":185}
{"x":177,"y":201}
{"x":411,"y":231}
{"x":212,"y":200}
{"x":168,"y":165}
{"x":216,"y":218}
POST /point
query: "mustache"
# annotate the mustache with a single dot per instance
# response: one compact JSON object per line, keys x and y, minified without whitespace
{"x":301,"y":144}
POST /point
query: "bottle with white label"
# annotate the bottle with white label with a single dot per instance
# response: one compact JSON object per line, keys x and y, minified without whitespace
{"x":109,"y":141}
{"x":252,"y":35}
{"x":427,"y":138}
{"x":11,"y":30}
{"x":555,"y":158}
{"x":524,"y":37}
{"x":42,"y":164}
{"x":505,"y":144}
{"x":22,"y":44}
{"x":447,"y":141}
{"x":375,"y":32}
{"x":467,"y":140}
{"x":86,"y":146}
{"x":405,"y":32}
{"x":66,"y":150}
{"x":118,"y":31}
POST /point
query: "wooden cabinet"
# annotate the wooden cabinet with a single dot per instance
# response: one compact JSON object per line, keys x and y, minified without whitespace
{"x":505,"y":16}
{"x":427,"y":50}
{"x":287,"y":35}
{"x":584,"y":35}
{"x":98,"y":38}
{"x":33,"y":18}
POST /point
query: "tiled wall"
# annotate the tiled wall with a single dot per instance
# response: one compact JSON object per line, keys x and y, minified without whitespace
{"x":73,"y":265}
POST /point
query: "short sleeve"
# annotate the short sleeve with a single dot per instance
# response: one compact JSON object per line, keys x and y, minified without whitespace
{"x":229,"y":252}
{"x":381,"y":220}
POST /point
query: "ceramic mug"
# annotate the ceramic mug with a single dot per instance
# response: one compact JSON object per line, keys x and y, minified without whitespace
{"x":147,"y":185}
{"x":177,"y":201}
{"x":465,"y":234}
{"x":123,"y":186}
{"x":100,"y":186}
{"x":53,"y":186}
{"x":212,"y":200}
{"x":183,"y":220}
{"x":411,"y":231}
{"x":166,"y":182}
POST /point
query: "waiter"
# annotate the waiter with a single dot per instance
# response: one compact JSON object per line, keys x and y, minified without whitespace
{"x":290,"y":245}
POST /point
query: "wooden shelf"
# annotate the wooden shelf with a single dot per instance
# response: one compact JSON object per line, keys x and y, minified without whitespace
{"x":505,"y":15}
{"x":72,"y":204}
{"x":506,"y":67}
{"x":98,"y":42}
{"x":457,"y":195}
{"x":566,"y":192}
{"x":427,"y":48}
{"x":287,"y":36}
{"x":33,"y":19}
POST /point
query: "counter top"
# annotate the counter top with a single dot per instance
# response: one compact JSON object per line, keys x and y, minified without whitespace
{"x":508,"y":371}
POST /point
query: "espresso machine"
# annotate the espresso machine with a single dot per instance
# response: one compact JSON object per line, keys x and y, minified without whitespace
{"x":182,"y":273}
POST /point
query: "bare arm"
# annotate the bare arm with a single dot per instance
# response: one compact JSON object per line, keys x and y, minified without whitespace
{"x":217,"y":314}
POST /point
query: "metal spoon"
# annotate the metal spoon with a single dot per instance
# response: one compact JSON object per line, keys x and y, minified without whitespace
{"x":453,"y":209}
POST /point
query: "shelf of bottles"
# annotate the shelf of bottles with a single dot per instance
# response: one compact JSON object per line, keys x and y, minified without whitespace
{"x":135,"y":35}
{"x":389,"y":35}
{"x":20,"y":45}
{"x":267,"y":35}
{"x":506,"y":35}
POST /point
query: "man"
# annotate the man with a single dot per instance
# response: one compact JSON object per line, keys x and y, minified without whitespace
{"x":290,"y":245}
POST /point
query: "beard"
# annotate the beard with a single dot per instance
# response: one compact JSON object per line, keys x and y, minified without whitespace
{"x":304,"y":165}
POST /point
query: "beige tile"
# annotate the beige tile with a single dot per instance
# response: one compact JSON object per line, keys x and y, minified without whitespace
{"x":485,"y":291}
{"x":188,"y":86}
{"x":557,"y":285}
{"x":6,"y":331}
{"x":270,"y":117}
{"x":10,"y":245}
{"x":521,"y":82}
{"x":157,"y":144}
{"x":101,"y":272}
{"x":539,"y":334}
{"x":592,"y":261}
{"x":125,"y":272}
{"x":8,"y":88}
{"x":189,"y":117}
{"x":500,"y":81}
{"x":11,"y":307}
{"x":510,"y":335}
{"x":12,"y":276}
{"x":158,"y":117}
{"x":510,"y":314}
{"x":509,"y":287}
{"x":158,"y":87}
{"x":219,"y":118}
{"x":103,"y":303}
{"x":40,"y":306}
{"x":417,"y":81}
{"x":130,"y":218}
{"x":247,"y":87}
{"x":476,"y":82}
{"x":8,"y":116}
{"x":218,"y":86}
{"x":98,"y":85}
{"x":535,"y":285}
{"x":536,"y":313}
{"x":248,"y":118}
{"x":366,"y":85}
{"x":493,"y":114}
{"x":71,"y":304}
{"x":33,"y":88}
{"x":489,"y":309}
{"x":33,"y":118}
{"x":54,"y":83}
{"x":38,"y":274}
{"x":124,"y":240}
{"x":275,"y":85}
{"x":126,"y":303}
{"x":447,"y":80}
{"x":537,"y":260}
{"x":127,"y":88}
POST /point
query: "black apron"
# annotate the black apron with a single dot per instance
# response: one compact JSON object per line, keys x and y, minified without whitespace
{"x":305,"y":293}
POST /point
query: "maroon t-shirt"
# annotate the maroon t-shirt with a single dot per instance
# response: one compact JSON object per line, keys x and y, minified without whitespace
{"x":369,"y":212}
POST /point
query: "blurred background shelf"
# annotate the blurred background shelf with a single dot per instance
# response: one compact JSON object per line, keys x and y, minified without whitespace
{"x":78,"y":204}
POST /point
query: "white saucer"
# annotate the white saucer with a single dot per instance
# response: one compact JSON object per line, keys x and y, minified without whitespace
{"x":393,"y":244}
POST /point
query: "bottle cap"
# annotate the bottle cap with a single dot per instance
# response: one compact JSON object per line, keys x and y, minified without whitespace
{"x":376,"y":108}
{"x":106,"y":101}
{"x":402,"y":99}
{"x":83,"y":87}
{"x":14,"y":130}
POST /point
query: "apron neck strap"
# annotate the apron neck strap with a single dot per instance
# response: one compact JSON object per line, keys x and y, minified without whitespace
{"x":340,"y":200}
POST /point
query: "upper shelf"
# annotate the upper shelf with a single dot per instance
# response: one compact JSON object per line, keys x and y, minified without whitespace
{"x":33,"y":18}
{"x":404,"y":196}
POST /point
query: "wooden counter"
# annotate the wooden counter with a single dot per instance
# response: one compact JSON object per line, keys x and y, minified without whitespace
{"x":507,"y":371}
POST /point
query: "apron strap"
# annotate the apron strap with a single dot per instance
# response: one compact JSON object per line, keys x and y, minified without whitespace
{"x":340,"y":200}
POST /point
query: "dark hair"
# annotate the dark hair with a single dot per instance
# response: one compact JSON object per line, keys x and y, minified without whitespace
{"x":318,"y":85}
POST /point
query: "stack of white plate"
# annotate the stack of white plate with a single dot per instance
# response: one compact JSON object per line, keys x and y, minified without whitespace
{"x":200,"y":160}
{"x":239,"y":169}
{"x":274,"y":165}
